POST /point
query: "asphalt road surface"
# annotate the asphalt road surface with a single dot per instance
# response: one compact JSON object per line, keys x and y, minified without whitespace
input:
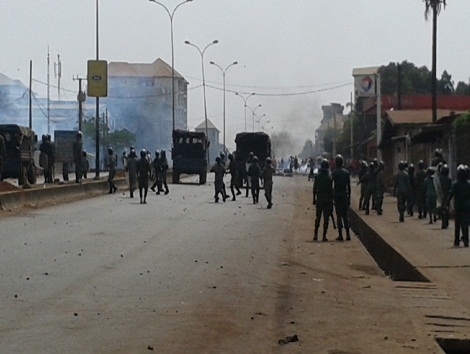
{"x":183,"y":274}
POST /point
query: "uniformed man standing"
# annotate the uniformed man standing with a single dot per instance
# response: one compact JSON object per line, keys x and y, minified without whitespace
{"x":341,"y":196}
{"x":112,"y":164}
{"x":369,"y":180}
{"x":381,"y":188}
{"x":219,"y":171}
{"x":420,"y":193}
{"x":402,"y":189}
{"x":267,"y":174}
{"x":162,"y":171}
{"x":77,"y":156}
{"x":143,"y":175}
{"x":322,"y":198}
{"x":3,"y":153}
{"x":248,"y":164}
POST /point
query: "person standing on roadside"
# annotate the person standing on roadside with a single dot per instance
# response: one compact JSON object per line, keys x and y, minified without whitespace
{"x":341,"y":197}
{"x":362,"y":172}
{"x":381,"y":188}
{"x":248,"y":164}
{"x":112,"y":163}
{"x":401,"y":190}
{"x":410,"y":203}
{"x":43,"y":158}
{"x":267,"y":174}
{"x":77,"y":156}
{"x":461,"y":193}
{"x":420,"y":192}
{"x":234,"y":182}
{"x":85,"y":163}
{"x":431,"y":195}
{"x":322,"y":198}
{"x":143,"y":174}
{"x":446,"y":186}
{"x":3,"y":154}
{"x":131,"y":168}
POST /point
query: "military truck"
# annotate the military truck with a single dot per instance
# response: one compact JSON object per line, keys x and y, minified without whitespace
{"x":189,"y":154}
{"x":258,"y":143}
{"x":20,"y":144}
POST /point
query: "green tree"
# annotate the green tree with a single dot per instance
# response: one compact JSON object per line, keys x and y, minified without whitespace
{"x":463,"y":89}
{"x":434,"y":6}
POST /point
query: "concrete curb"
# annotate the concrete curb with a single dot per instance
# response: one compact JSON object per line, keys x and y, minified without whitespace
{"x":55,"y":194}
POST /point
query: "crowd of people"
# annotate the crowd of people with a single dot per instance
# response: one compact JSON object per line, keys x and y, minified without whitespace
{"x":428,"y":190}
{"x":247,"y":173}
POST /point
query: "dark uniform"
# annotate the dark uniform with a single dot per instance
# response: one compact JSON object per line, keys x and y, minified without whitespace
{"x":254,"y":174}
{"x":322,"y":198}
{"x":369,"y":181}
{"x":341,"y":197}
{"x":401,"y":190}
{"x":461,"y":193}
{"x":77,"y":156}
{"x":219,"y":171}
{"x":112,"y":164}
{"x":446,"y":186}
{"x":162,"y":171}
{"x":380,"y":188}
{"x":143,"y":175}
{"x":3,"y":153}
{"x":155,"y":166}
{"x":248,"y":164}
{"x":420,"y":193}
{"x":412,"y":195}
{"x":267,"y":174}
{"x":234,"y":179}
{"x":362,"y":172}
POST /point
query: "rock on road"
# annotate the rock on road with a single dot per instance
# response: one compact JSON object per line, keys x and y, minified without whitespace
{"x":182,"y":274}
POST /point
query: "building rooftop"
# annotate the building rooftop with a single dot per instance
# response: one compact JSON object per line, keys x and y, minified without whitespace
{"x":419,"y":116}
{"x":156,"y":69}
{"x":210,"y":125}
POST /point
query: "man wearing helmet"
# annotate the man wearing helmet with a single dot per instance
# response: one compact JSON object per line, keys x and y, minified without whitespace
{"x":254,"y":174}
{"x":446,"y":186}
{"x":461,"y":193}
{"x":77,"y":156}
{"x":112,"y":163}
{"x":341,"y":196}
{"x":234,"y":180}
{"x":402,"y":189}
{"x":420,"y":193}
{"x":322,"y":198}
{"x":162,"y":171}
{"x":267,"y":174}
{"x":143,"y":175}
{"x":380,"y":185}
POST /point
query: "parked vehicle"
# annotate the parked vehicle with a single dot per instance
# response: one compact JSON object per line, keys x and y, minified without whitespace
{"x":20,"y":144}
{"x":189,"y":154}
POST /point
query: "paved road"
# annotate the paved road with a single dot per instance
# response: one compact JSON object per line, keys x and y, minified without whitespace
{"x":185,"y":275}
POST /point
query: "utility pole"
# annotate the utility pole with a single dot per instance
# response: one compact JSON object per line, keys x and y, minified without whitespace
{"x":30,"y":94}
{"x":48,"y":95}
{"x":351,"y":115}
{"x":81,"y":97}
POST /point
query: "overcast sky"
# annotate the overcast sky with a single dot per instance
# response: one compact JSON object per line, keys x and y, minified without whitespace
{"x":307,"y":47}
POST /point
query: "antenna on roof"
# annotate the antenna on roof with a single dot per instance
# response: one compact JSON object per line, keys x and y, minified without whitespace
{"x":58,"y":73}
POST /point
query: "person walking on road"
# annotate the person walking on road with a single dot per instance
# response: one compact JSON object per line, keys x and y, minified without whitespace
{"x":162,"y":171}
{"x":234,"y":180}
{"x":460,"y":192}
{"x":362,"y":172}
{"x":446,"y":186}
{"x":112,"y":164}
{"x":85,"y":164}
{"x":401,"y":190}
{"x":410,"y":203}
{"x":341,"y":197}
{"x":155,"y":166}
{"x":369,"y":181}
{"x":431,"y":195}
{"x":248,"y":164}
{"x":381,"y":188}
{"x":254,"y":174}
{"x":219,"y":171}
{"x":143,"y":175}
{"x":267,"y":174}
{"x":131,"y":168}
{"x":420,"y":192}
{"x":77,"y":156}
{"x":322,"y":198}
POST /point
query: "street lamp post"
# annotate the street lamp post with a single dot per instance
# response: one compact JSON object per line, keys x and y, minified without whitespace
{"x":201,"y":52}
{"x":259,"y":120}
{"x":253,"y":114}
{"x":224,"y":71}
{"x":244,"y":102}
{"x":171,"y":15}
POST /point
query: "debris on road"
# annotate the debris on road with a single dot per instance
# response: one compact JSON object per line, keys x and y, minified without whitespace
{"x":289,"y":339}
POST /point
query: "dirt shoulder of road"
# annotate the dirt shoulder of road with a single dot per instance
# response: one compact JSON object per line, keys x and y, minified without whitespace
{"x":338,"y":299}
